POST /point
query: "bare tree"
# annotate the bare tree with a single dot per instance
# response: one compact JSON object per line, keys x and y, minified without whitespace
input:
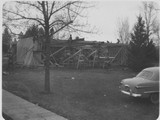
{"x":150,"y":13}
{"x":53,"y":16}
{"x":123,"y":31}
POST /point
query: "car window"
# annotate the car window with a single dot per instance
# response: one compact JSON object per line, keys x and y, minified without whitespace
{"x":145,"y":74}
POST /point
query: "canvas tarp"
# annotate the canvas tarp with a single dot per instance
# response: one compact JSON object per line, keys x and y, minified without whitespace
{"x":27,"y":52}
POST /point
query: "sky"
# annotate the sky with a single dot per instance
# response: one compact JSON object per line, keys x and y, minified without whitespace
{"x":105,"y":16}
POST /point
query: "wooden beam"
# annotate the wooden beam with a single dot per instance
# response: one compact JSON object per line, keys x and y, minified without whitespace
{"x":116,"y":55}
{"x":72,"y":56}
{"x":57,"y":51}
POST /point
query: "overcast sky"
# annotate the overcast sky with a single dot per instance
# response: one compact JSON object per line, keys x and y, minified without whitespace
{"x":106,"y":14}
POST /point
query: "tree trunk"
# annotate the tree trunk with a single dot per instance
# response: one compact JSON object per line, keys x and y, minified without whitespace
{"x":47,"y":60}
{"x":47,"y":72}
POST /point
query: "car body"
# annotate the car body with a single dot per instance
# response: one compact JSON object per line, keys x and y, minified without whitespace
{"x":145,"y":84}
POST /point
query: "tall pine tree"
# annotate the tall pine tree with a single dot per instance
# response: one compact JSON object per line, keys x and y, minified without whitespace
{"x":141,"y":50}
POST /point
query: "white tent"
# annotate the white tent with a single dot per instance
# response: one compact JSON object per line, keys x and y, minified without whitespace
{"x":27,"y":52}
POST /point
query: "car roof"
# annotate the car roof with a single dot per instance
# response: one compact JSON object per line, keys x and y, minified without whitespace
{"x":153,"y":69}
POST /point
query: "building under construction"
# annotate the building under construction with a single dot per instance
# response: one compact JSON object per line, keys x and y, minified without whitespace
{"x":77,"y":53}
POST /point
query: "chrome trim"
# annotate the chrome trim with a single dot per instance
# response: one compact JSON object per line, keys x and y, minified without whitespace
{"x":151,"y":92}
{"x":138,"y":87}
{"x":131,"y":94}
{"x":126,"y":85}
{"x":125,"y":92}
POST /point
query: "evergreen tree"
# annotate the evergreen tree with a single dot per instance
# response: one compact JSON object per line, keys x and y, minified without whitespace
{"x":34,"y":31}
{"x":31,"y":31}
{"x":6,"y":40}
{"x":141,"y":50}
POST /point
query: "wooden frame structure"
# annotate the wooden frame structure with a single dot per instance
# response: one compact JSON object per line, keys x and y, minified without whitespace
{"x":87,"y":54}
{"x":80,"y":53}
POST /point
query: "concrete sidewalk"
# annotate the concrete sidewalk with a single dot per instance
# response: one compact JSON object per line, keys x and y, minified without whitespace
{"x":20,"y":109}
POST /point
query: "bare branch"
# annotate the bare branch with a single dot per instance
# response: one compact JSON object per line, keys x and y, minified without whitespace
{"x":83,"y":7}
{"x":77,"y":13}
{"x":69,"y":12}
{"x":29,"y":4}
{"x":56,"y":22}
{"x":67,"y":24}
{"x":79,"y":30}
{"x":39,"y":2}
{"x":10,"y":29}
{"x":63,"y":7}
{"x":24,"y":17}
{"x":60,"y":21}
{"x":123,"y":32}
{"x":150,"y":15}
{"x":53,"y":4}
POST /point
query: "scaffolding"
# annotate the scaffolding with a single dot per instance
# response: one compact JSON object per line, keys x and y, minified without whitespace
{"x":79,"y":53}
{"x":95,"y":55}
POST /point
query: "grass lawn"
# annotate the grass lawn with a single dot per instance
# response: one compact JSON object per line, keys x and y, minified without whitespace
{"x":91,"y":94}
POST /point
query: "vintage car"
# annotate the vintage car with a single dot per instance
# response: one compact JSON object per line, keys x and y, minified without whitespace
{"x":145,"y":84}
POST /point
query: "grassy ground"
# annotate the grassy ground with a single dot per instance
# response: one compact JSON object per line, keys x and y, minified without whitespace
{"x":91,"y":94}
